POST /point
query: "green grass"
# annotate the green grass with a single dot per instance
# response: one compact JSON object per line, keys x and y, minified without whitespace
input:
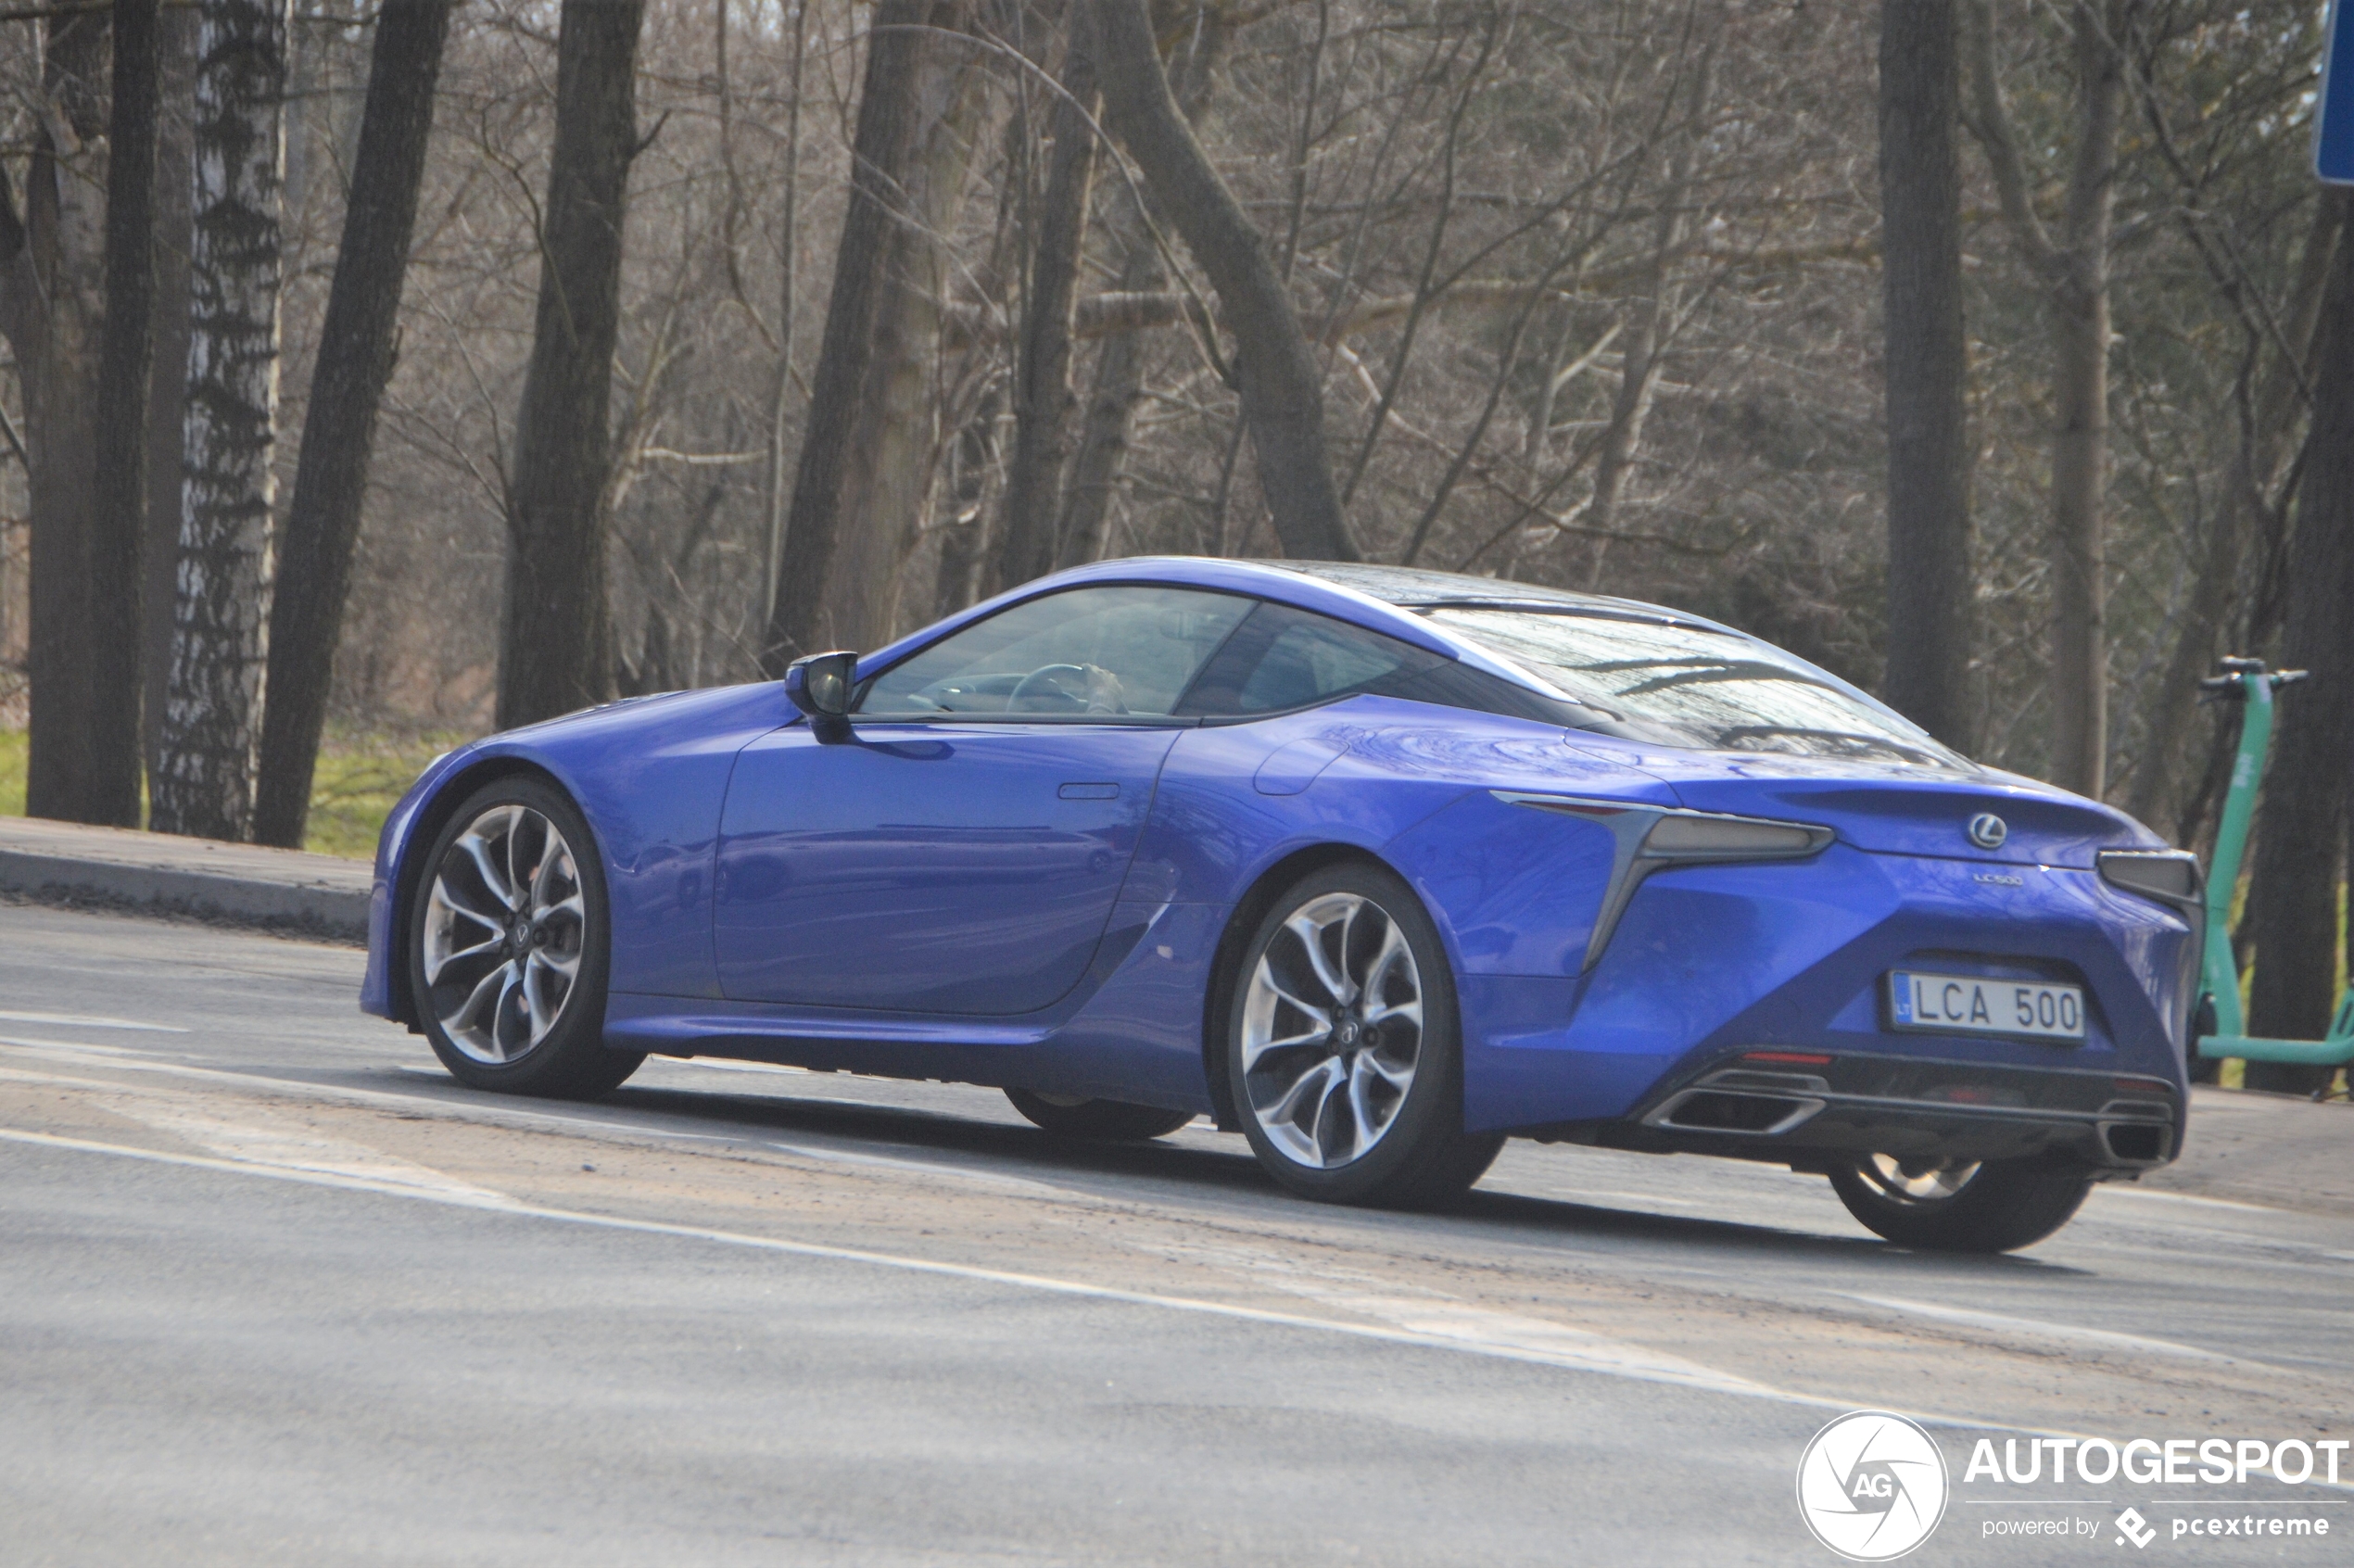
{"x":12,"y":755}
{"x":359,"y":775}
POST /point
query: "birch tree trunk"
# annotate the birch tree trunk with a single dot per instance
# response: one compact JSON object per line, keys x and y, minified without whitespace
{"x":168,"y":368}
{"x":555,"y":640}
{"x":121,"y":480}
{"x":51,"y":271}
{"x":220,"y":632}
{"x":1283,"y":394}
{"x":1928,"y":522}
{"x":355,"y":360}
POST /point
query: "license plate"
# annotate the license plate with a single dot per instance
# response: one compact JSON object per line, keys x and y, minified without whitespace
{"x":1971,"y":1005}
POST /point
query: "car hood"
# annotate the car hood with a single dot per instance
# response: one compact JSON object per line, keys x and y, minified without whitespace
{"x":1890,"y":808}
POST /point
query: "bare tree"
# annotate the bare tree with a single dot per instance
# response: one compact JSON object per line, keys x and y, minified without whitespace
{"x":355,"y":359}
{"x":1042,"y":375}
{"x":898,"y":45}
{"x":555,"y":647}
{"x":1927,"y":367}
{"x":1282,"y":392}
{"x":2300,"y":855}
{"x":51,"y":277}
{"x":121,"y":481}
{"x":220,"y":642}
{"x":2072,"y":266}
{"x":890,"y":472}
{"x":168,"y":367}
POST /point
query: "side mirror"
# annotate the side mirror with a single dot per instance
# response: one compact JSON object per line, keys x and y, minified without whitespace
{"x":820,"y":685}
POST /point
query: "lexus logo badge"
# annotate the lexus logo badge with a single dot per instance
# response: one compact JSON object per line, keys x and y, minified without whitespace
{"x":1986,"y":830}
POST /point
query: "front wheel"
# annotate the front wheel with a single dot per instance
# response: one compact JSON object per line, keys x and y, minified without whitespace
{"x":508,"y":946}
{"x":1949,"y":1206}
{"x":1342,"y":1048}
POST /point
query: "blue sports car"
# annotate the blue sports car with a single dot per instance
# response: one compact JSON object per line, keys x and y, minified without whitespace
{"x":1376,"y":866}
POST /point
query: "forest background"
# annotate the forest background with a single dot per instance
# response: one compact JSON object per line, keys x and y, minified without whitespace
{"x":453,"y":365}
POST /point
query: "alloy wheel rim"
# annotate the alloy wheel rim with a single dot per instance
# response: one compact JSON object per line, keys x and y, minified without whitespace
{"x":1915,"y":1182}
{"x":505,"y":927}
{"x":1332,"y":1030}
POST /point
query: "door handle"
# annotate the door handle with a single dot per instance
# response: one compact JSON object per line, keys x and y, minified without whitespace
{"x":1089,"y":792}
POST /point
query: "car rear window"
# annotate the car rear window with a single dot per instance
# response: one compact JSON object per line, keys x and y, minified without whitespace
{"x":1688,"y":684}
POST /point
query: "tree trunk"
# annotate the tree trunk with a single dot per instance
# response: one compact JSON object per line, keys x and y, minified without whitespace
{"x":51,"y":270}
{"x":1103,"y":439}
{"x":220,"y":640}
{"x":554,"y":645}
{"x":121,"y":481}
{"x":1282,"y":396}
{"x":1928,"y":522}
{"x":355,"y":360}
{"x":2300,"y":851}
{"x":2073,"y":267}
{"x":895,"y":52}
{"x":168,"y":368}
{"x":1042,"y":374}
{"x":891,"y":471}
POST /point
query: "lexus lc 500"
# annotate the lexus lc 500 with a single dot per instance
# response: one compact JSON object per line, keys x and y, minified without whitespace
{"x":1378,"y":867}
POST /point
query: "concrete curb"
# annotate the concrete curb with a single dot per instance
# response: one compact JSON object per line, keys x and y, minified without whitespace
{"x":316,"y":895}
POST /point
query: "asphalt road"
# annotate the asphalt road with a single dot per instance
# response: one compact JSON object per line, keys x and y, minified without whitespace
{"x":273,"y":1289}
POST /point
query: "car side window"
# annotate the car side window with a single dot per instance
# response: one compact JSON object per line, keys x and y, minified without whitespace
{"x":1283,"y":658}
{"x":1103,"y":652}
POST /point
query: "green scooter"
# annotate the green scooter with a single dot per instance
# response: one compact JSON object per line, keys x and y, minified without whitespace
{"x":2246,"y":681}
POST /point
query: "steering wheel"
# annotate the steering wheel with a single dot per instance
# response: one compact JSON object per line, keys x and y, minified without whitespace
{"x":1062,"y":689}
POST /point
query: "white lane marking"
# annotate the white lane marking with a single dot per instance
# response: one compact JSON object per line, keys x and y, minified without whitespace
{"x":2111,"y":1189}
{"x":82,"y":1021}
{"x":80,"y":1048}
{"x":1443,"y":1332}
{"x":1439,"y":1315}
{"x":2004,"y":1323}
{"x":283,"y":1147}
{"x":923,"y":1167}
{"x":716,"y":1065}
{"x":114,"y":1059}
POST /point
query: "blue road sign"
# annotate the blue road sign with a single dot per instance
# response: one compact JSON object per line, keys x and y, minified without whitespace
{"x":2333,"y":113}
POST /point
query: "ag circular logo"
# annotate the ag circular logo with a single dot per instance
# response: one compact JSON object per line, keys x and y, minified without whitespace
{"x":1871,"y":1486}
{"x":1987,"y":831}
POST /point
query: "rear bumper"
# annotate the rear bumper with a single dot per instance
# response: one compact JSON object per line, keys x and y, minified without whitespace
{"x":1811,"y":1113}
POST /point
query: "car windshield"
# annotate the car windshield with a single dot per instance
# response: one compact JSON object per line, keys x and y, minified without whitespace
{"x":1689,"y":686}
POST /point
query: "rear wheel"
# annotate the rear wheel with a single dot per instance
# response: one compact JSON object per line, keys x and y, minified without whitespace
{"x":1343,"y":1054}
{"x":1071,"y":1115}
{"x":507,"y":944}
{"x":1954,"y":1207}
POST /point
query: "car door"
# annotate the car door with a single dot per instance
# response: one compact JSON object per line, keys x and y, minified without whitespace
{"x":958,"y":847}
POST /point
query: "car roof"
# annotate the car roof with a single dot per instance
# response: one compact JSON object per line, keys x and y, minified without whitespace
{"x":1414,"y":587}
{"x":1383,"y":599}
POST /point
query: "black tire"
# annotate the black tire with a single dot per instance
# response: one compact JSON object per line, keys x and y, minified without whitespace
{"x":567,"y":1059}
{"x":1999,"y":1206}
{"x":1419,"y":1154}
{"x":1110,"y":1121}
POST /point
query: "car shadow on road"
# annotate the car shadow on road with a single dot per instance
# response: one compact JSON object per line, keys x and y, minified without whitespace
{"x":1013,"y":1149}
